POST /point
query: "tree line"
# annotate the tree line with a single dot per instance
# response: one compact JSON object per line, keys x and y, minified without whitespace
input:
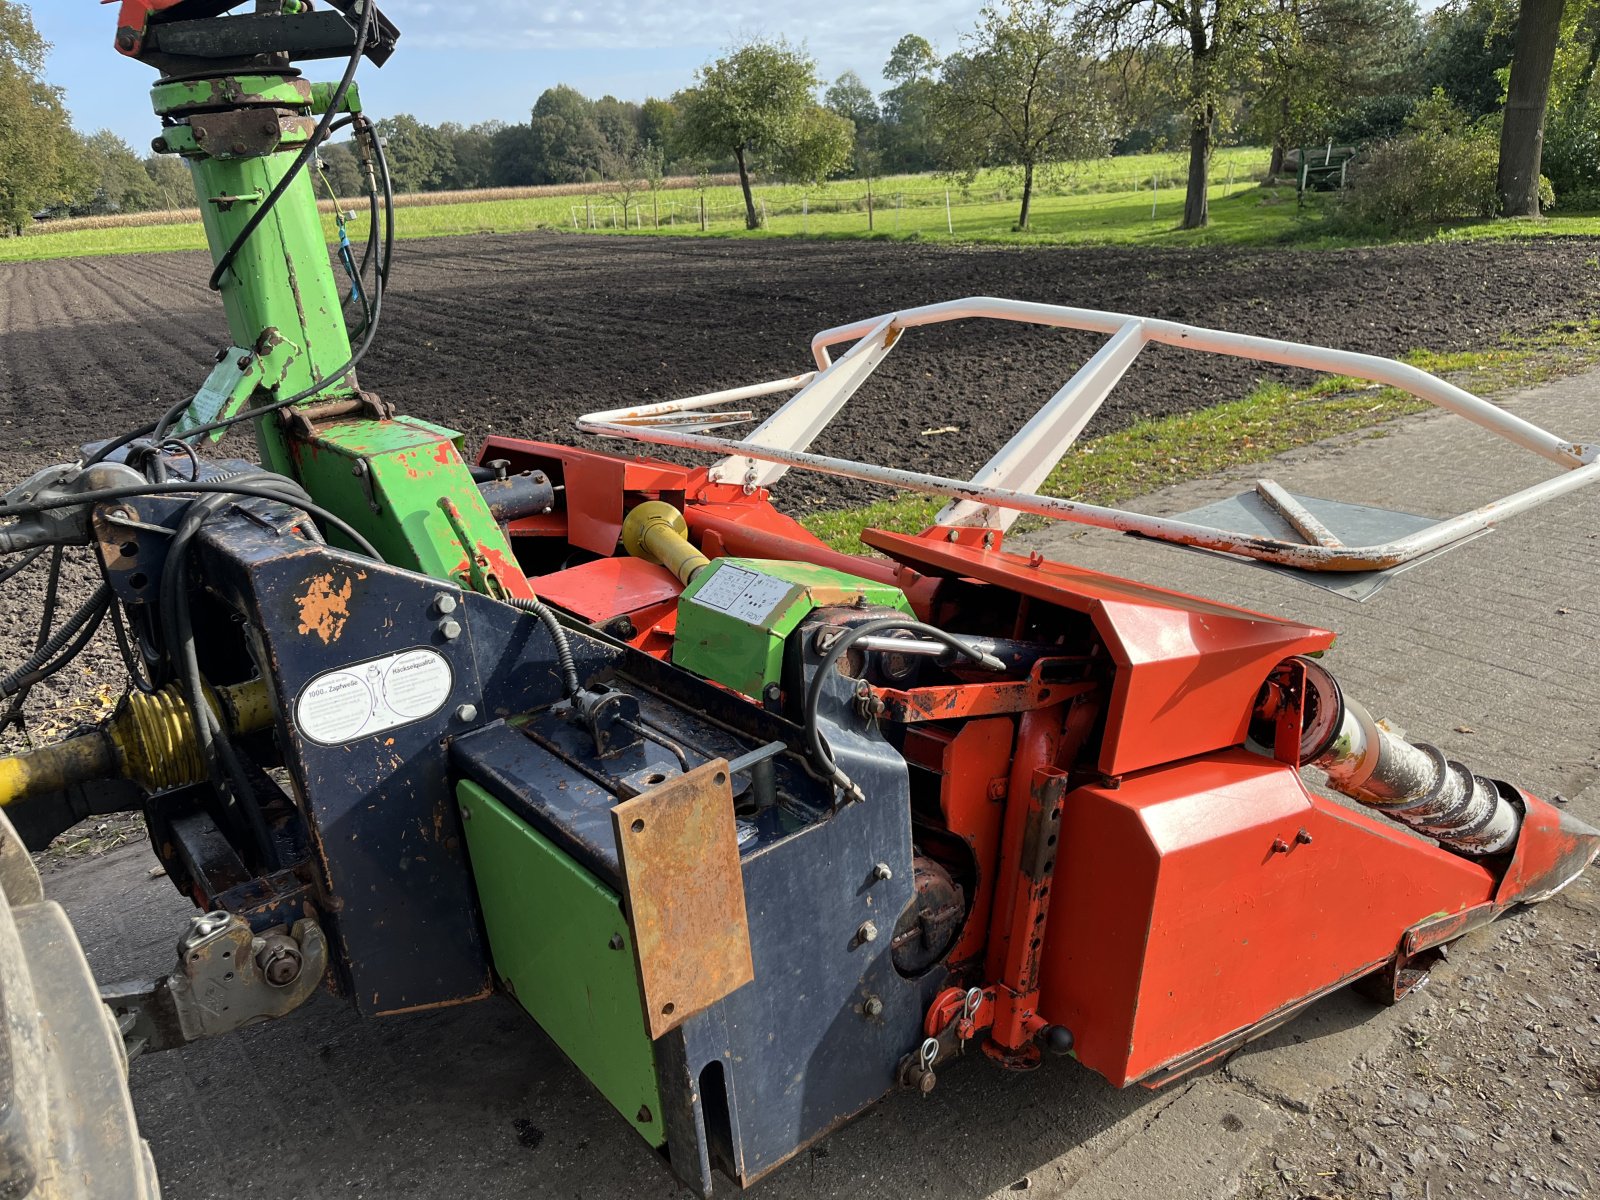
{"x":1035,"y":84}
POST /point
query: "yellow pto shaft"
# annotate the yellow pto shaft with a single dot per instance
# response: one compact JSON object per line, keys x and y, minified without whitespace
{"x":657,"y":532}
{"x":151,"y":740}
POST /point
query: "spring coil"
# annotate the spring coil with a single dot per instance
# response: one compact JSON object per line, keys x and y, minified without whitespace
{"x":155,"y":732}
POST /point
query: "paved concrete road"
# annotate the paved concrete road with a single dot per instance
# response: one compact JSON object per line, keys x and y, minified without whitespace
{"x":1497,"y":638}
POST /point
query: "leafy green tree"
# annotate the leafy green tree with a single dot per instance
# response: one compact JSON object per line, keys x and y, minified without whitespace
{"x":419,"y":158}
{"x":618,"y":122}
{"x":1217,"y":43}
{"x":170,"y":181}
{"x":343,"y":169}
{"x":906,"y":138}
{"x":658,"y":121}
{"x":40,"y":163}
{"x":1022,"y":93}
{"x":1468,"y":50}
{"x":756,"y":104}
{"x":853,"y":100}
{"x":116,"y":180}
{"x":567,"y":143}
{"x":471,"y":159}
{"x":1321,"y":61}
{"x":517,"y":161}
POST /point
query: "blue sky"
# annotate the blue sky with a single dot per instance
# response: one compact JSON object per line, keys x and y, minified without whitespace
{"x":476,"y":59}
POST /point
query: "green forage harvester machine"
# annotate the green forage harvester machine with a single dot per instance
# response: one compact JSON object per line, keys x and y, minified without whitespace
{"x":756,"y":831}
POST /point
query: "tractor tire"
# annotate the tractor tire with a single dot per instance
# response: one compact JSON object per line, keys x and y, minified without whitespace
{"x":67,"y":1126}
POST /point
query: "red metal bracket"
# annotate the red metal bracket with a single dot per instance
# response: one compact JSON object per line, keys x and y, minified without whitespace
{"x":133,"y":20}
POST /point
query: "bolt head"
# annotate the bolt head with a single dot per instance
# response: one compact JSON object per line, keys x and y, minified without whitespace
{"x":927,"y":1082}
{"x":159,"y":145}
{"x":449,"y":629}
{"x":867,"y":933}
{"x":873,"y":1007}
{"x":881,"y":871}
{"x":467,"y":713}
{"x":444,"y":604}
{"x":244,"y":362}
{"x":127,"y":40}
{"x":616,"y":942}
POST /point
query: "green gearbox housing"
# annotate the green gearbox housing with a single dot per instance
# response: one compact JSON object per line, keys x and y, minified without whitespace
{"x":736,"y":616}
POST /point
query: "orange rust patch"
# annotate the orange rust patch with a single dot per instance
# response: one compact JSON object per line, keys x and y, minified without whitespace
{"x":325,"y":607}
{"x":445,"y":454}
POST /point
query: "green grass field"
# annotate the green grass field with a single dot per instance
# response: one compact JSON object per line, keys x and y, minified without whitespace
{"x":1107,"y":202}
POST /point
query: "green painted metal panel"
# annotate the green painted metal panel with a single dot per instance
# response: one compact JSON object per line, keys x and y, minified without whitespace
{"x":387,"y":478}
{"x":551,"y":926}
{"x":734,"y":619}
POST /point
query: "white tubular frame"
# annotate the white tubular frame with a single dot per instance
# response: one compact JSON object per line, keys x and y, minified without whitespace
{"x":1004,"y":488}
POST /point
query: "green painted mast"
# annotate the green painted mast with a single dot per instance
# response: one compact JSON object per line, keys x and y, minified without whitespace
{"x":241,"y":116}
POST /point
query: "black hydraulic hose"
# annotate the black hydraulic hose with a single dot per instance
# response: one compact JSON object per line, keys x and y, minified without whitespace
{"x":815,"y":744}
{"x":29,"y":672}
{"x":558,"y":635}
{"x":22,"y":564}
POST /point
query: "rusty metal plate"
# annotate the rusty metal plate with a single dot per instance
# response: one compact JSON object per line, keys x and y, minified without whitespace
{"x":685,"y":894}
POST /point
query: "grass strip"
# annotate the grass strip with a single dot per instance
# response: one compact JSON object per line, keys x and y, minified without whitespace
{"x":1115,"y":467}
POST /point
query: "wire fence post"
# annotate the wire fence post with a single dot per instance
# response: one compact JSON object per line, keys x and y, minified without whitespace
{"x":1153,"y":186}
{"x":589,"y":203}
{"x":869,"y":204}
{"x":702,"y":212}
{"x":574,"y":208}
{"x":655,"y":206}
{"x":949,"y":225}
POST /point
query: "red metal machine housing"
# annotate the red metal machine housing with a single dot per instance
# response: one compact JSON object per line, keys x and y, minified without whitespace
{"x":1147,"y":884}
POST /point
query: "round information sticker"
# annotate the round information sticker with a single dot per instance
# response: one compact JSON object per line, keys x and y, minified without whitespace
{"x":366,"y":698}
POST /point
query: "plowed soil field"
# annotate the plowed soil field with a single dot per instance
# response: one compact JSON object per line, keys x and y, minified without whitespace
{"x":520,"y":333}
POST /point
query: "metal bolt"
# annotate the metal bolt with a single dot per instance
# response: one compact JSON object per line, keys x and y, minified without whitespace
{"x":951,"y":536}
{"x":127,"y":40}
{"x":244,"y":362}
{"x":1303,"y":837}
{"x":882,"y":871}
{"x":1279,"y":846}
{"x":200,"y":133}
{"x":268,"y":128}
{"x":873,"y":1007}
{"x":450,"y":630}
{"x":280,"y":964}
{"x":221,"y":354}
{"x":444,"y":604}
{"x":240,"y":147}
{"x":159,"y":145}
{"x":466,"y":813}
{"x":467,"y":712}
{"x":867,"y":933}
{"x":926,"y":1082}
{"x":616,"y":942}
